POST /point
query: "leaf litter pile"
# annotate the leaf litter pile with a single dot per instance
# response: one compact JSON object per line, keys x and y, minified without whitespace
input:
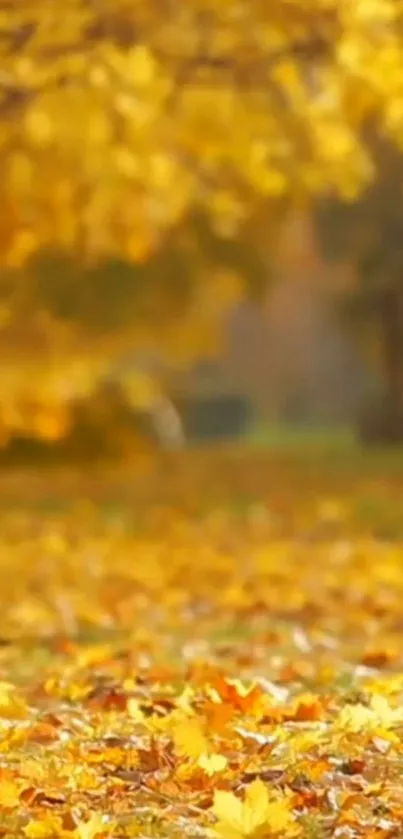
{"x":219,"y":655}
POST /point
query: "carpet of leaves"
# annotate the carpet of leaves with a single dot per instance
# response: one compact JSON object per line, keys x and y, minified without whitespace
{"x":215,"y":652}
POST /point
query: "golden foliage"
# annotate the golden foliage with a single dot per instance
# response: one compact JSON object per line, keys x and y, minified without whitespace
{"x":66,"y":329}
{"x":257,"y":816}
{"x":116,"y":117}
{"x":202,"y":664}
{"x":120,"y":120}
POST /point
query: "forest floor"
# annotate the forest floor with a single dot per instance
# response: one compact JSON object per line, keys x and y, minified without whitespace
{"x":207,"y":646}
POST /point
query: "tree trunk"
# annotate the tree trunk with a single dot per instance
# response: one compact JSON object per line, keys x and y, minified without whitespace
{"x":392,"y":345}
{"x":383,"y":422}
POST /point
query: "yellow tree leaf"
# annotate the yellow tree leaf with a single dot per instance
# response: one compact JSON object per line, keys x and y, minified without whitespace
{"x":9,"y":794}
{"x":258,"y":816}
{"x":46,"y":828}
{"x":91,"y":828}
{"x":379,"y":714}
{"x":189,"y":738}
{"x":12,"y":706}
{"x":212,"y":763}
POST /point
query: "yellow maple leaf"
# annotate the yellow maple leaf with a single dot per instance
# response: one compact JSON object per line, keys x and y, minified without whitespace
{"x":189,"y":738}
{"x":34,"y":771}
{"x":12,"y":706}
{"x":257,"y":817}
{"x":45,"y":828}
{"x":92,"y":828}
{"x":9,"y":794}
{"x":185,"y":700}
{"x":212,"y":763}
{"x":378,"y":714}
{"x":135,"y":712}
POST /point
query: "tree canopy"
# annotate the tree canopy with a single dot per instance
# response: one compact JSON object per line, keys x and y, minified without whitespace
{"x":116,"y":117}
{"x":138,"y":136}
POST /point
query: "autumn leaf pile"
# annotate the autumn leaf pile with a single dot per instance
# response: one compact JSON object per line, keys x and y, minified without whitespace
{"x":216,"y":653}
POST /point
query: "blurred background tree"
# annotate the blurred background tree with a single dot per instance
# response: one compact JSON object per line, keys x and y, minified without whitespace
{"x":150,"y":152}
{"x":370,"y":234}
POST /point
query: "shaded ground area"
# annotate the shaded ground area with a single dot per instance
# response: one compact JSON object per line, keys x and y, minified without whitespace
{"x":205,"y":645}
